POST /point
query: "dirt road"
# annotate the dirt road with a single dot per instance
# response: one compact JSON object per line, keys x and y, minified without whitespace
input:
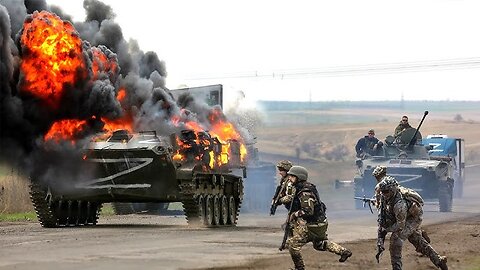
{"x":152,"y":242}
{"x":165,"y":242}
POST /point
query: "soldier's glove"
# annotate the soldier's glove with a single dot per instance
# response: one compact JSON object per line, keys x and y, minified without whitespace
{"x":273,"y":209}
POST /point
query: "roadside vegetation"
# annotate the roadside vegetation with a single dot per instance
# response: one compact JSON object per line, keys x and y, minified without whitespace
{"x":16,"y":217}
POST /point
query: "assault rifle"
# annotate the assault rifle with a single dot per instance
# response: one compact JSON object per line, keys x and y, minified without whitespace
{"x":287,"y":227}
{"x":276,"y":197}
{"x":366,"y":200}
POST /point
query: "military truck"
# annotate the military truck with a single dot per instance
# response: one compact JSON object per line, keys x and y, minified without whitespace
{"x":408,"y":160}
{"x":442,"y":146}
{"x":192,"y":168}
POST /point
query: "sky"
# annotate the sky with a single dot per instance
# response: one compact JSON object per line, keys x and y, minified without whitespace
{"x":311,"y":50}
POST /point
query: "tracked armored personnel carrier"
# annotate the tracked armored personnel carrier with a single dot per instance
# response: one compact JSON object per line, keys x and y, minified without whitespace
{"x":408,"y":160}
{"x":192,"y":168}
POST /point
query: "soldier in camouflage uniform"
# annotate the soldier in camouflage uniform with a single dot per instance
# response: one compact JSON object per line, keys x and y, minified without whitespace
{"x":380,"y":173}
{"x":403,"y":218}
{"x":403,"y":125}
{"x":308,"y":218}
{"x":283,"y":167}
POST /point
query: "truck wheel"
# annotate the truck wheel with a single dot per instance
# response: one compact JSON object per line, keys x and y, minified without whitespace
{"x":445,"y":197}
{"x":458,"y":189}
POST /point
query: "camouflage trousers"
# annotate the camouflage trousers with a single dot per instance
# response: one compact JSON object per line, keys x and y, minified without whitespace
{"x":413,"y":233}
{"x":301,"y":237}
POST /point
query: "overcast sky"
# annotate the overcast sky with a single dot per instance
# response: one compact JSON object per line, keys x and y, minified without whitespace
{"x":311,"y":50}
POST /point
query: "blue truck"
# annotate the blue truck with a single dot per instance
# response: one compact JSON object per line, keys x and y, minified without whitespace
{"x":443,"y":146}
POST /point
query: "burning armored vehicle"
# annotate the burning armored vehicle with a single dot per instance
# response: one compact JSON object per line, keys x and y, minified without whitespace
{"x":192,"y":168}
{"x":409,"y":161}
{"x":78,"y":112}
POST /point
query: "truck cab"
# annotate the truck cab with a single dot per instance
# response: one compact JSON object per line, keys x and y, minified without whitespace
{"x":444,"y":147}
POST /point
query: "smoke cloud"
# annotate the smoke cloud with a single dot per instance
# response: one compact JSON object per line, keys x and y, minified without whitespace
{"x":111,"y":81}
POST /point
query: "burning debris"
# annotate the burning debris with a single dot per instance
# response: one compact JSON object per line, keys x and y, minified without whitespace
{"x":64,"y":82}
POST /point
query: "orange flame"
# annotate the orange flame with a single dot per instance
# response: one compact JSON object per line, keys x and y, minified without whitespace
{"x":52,"y":56}
{"x":225,"y":131}
{"x":68,"y":129}
{"x":122,"y":123}
{"x":222,"y":129}
{"x":65,"y":130}
{"x":122,"y":94}
{"x":101,"y":63}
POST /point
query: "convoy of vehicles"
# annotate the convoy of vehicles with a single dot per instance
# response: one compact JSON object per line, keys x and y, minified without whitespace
{"x":432,"y":166}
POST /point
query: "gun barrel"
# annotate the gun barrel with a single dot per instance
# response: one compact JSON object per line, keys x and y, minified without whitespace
{"x":364,"y":199}
{"x":412,"y":140}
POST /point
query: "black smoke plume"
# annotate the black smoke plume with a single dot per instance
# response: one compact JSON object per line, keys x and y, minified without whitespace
{"x":112,"y":67}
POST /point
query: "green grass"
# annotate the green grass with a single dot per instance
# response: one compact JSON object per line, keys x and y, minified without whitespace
{"x":3,"y":170}
{"x":473,"y":264}
{"x":25,"y":216}
{"x":107,"y":210}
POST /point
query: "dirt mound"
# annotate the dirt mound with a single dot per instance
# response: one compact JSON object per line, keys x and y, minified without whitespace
{"x":458,"y":240}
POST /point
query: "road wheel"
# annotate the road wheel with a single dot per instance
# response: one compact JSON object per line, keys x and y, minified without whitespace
{"x":201,"y":209}
{"x":223,"y":210}
{"x":209,"y":212}
{"x":216,"y":210}
{"x":232,"y":211}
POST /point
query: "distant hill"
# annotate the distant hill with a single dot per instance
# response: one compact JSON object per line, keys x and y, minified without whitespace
{"x":411,"y":106}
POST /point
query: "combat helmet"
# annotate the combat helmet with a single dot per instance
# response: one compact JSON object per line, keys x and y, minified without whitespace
{"x":379,"y":170}
{"x":300,"y":172}
{"x":284,"y":165}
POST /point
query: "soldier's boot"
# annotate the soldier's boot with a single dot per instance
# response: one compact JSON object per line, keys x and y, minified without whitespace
{"x":442,"y":264}
{"x":345,"y":255}
{"x":339,"y":250}
{"x":298,"y":261}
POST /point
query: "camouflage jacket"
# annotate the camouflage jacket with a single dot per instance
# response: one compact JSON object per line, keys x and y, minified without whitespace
{"x":402,"y":212}
{"x":282,"y":190}
{"x":410,"y":195}
{"x":401,"y":126}
{"x":306,"y":203}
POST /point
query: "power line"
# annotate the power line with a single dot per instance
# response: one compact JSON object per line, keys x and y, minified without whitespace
{"x":354,"y":70}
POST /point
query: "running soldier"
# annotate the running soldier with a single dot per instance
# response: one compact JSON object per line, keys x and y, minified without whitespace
{"x":380,"y":173}
{"x":308,"y":218}
{"x":282,"y":167}
{"x":403,"y":219}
